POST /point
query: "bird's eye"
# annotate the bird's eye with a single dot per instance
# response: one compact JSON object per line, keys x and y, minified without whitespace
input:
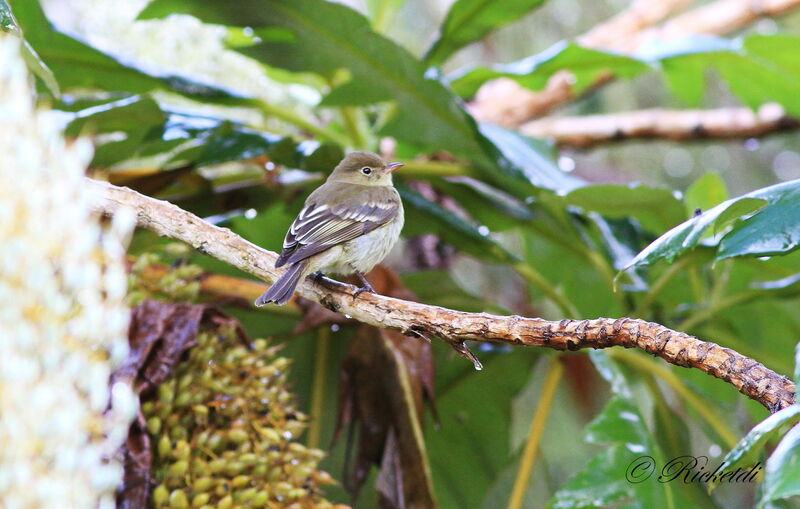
{"x":366,"y":171}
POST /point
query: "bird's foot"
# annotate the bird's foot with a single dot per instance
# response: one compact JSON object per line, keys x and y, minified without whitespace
{"x":365,"y":286}
{"x":316,"y":276}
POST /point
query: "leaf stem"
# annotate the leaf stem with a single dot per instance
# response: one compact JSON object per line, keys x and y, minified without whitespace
{"x":703,"y":409}
{"x":318,"y":387}
{"x":549,"y":386}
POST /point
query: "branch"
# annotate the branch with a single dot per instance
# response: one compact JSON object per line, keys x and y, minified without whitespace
{"x":505,"y":102}
{"x":676,"y":125}
{"x":748,"y":376}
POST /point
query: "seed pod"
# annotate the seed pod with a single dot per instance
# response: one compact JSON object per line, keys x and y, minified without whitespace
{"x":225,"y":503}
{"x":178,"y":469}
{"x":202,"y":485}
{"x":238,"y":436}
{"x":153,"y":425}
{"x":244,"y":496}
{"x":166,"y":393}
{"x":240,"y":481}
{"x":164,"y":446}
{"x":181,"y":451}
{"x":260,"y":498}
{"x":249,"y":459}
{"x":234,"y":467}
{"x":183,"y":399}
{"x":178,"y":500}
{"x":160,"y":495}
{"x":201,"y":499}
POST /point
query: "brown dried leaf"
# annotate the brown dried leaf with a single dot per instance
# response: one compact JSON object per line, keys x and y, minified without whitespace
{"x":386,"y":378}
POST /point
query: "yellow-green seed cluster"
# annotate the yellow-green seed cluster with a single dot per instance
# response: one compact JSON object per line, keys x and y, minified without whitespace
{"x":223,"y":428}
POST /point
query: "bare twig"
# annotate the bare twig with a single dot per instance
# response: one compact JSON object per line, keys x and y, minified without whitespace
{"x":748,"y":376}
{"x":659,"y":123}
{"x":506,"y":103}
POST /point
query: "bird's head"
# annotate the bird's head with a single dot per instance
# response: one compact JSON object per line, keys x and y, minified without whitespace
{"x":364,"y":168}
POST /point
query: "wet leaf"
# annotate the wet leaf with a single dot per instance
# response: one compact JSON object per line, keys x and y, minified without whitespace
{"x":656,"y":208}
{"x":201,"y":140}
{"x":32,"y":59}
{"x":76,"y":65}
{"x":782,"y":477}
{"x":428,"y":116}
{"x":585,"y":64}
{"x":757,"y":69}
{"x":772,"y":229}
{"x":706,"y":192}
{"x":468,"y":21}
{"x":750,"y":448}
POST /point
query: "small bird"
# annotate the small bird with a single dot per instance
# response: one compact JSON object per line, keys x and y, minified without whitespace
{"x":347,"y":225}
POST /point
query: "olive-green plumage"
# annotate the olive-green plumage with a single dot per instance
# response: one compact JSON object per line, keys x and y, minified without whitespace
{"x":348,"y":225}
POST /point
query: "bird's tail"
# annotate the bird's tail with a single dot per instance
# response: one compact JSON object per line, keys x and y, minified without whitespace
{"x":283,"y":289}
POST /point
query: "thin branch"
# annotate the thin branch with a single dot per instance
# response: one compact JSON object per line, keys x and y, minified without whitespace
{"x":676,"y":125}
{"x":506,"y":103}
{"x":772,"y":390}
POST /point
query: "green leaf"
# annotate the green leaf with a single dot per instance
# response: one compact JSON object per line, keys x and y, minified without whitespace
{"x":330,"y":37}
{"x":782,"y":477}
{"x":585,"y":64}
{"x":656,"y":208}
{"x":77,"y":65}
{"x":773,"y":228}
{"x":527,"y":159}
{"x":32,"y":60}
{"x":706,"y":192}
{"x":463,"y":235}
{"x":479,"y":425}
{"x":749,"y":449}
{"x":203,"y":140}
{"x":469,"y":20}
{"x":757,"y":69}
{"x":119,"y":115}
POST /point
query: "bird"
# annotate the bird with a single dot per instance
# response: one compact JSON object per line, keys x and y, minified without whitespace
{"x":346,"y":226}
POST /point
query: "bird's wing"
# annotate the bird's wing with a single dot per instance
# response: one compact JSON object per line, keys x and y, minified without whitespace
{"x":320,"y":227}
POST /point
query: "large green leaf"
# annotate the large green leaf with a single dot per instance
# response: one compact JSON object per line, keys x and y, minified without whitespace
{"x":202,"y":140}
{"x":782,"y":476}
{"x":655,"y":208}
{"x":328,"y":37}
{"x":771,"y":226}
{"x":533,"y":72}
{"x":757,"y":68}
{"x":470,"y":447}
{"x":469,"y":20}
{"x":77,"y":65}
{"x":32,"y":59}
{"x":748,"y":451}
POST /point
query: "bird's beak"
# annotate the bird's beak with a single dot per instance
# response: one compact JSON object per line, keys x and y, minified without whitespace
{"x":391,"y":167}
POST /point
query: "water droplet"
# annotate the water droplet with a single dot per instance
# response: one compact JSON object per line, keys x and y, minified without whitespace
{"x":250,"y":213}
{"x":714,"y":450}
{"x":678,"y":162}
{"x":751,"y":144}
{"x":348,"y":316}
{"x":483,"y":230}
{"x":335,"y":327}
{"x":786,"y":165}
{"x":566,"y":163}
